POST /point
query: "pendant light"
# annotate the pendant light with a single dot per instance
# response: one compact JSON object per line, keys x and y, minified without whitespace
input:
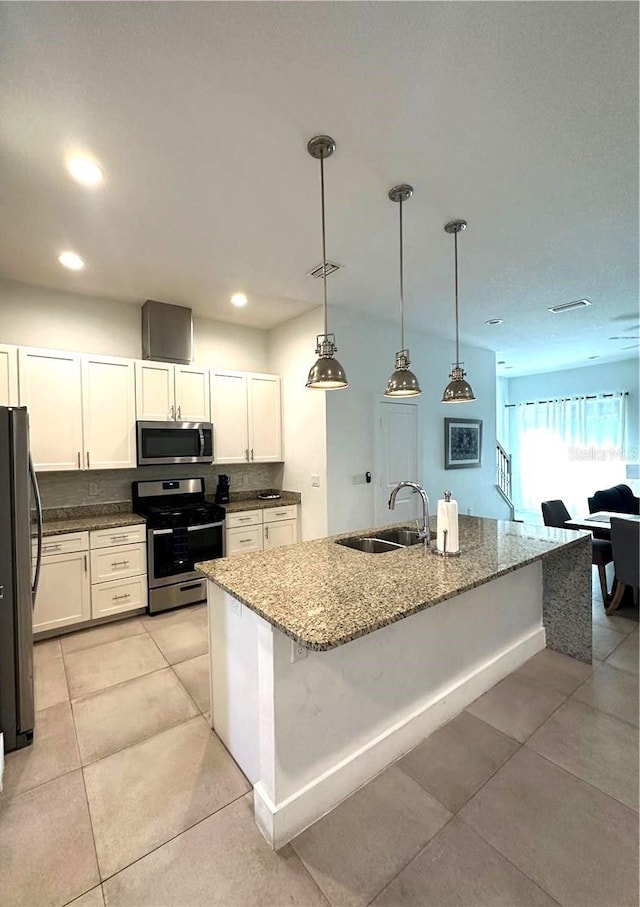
{"x":327,"y":373}
{"x":457,"y":390}
{"x":402,"y":383}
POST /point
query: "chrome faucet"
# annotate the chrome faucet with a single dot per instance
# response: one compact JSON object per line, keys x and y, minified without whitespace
{"x":425,"y":532}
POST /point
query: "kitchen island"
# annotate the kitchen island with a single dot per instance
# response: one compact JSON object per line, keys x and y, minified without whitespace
{"x":328,"y":663}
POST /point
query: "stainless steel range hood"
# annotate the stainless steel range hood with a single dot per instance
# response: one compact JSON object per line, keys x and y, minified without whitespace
{"x":167,"y":332}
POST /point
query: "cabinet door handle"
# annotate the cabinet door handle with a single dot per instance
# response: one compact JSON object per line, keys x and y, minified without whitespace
{"x":180,"y":412}
{"x":51,"y":547}
{"x":117,"y":598}
{"x":266,"y":532}
{"x":242,"y":541}
{"x":119,"y":563}
{"x":243,"y":519}
{"x":79,"y":462}
{"x":119,"y":538}
{"x":246,"y":453}
{"x":85,"y":563}
{"x":88,"y":461}
{"x":252,"y":453}
{"x":172,"y":413}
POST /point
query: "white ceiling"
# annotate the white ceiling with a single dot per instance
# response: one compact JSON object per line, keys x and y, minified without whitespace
{"x":521,"y":118}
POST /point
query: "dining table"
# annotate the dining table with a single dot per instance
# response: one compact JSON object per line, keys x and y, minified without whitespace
{"x":599,"y":521}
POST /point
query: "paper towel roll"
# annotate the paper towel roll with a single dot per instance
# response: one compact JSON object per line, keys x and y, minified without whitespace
{"x":447,"y":519}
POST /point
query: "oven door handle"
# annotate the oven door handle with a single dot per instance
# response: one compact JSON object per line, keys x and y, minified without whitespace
{"x":201,"y":436}
{"x":203,"y":526}
{"x":161,"y":531}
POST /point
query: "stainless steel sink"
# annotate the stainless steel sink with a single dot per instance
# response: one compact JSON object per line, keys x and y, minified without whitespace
{"x":370,"y":545}
{"x":383,"y":541}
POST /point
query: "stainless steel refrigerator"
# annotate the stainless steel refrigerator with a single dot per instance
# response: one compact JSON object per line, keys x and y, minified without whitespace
{"x":17,"y":588}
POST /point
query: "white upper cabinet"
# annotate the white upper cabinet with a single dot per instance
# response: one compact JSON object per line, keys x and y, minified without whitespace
{"x":265,"y":417}
{"x":229,"y":414}
{"x":247,"y":417}
{"x":8,"y":375}
{"x":170,"y":393}
{"x":192,"y":393}
{"x":108,"y":404}
{"x":50,"y":387}
{"x":154,"y":391}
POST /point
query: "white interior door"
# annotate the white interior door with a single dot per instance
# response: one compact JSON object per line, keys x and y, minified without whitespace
{"x":49,"y":384}
{"x":108,"y":404}
{"x":192,"y":393}
{"x":397,"y":458}
{"x":155,"y":401}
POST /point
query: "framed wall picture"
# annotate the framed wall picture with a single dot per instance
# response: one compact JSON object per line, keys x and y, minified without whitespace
{"x":462,"y":443}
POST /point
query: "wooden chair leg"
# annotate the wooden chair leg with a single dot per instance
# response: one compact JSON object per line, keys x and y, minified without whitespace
{"x":617,"y":598}
{"x":602,"y":573}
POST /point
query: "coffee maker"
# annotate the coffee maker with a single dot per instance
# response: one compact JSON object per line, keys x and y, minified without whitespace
{"x":222,"y":489}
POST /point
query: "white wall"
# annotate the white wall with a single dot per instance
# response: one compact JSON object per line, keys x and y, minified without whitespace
{"x":31,"y":316}
{"x":366,"y":350}
{"x":291,"y":354}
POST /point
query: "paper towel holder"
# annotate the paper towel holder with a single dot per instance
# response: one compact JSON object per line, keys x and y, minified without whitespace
{"x":444,"y":552}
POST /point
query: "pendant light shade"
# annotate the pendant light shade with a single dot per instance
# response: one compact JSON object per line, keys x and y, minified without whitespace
{"x":403,"y":382}
{"x":327,"y":373}
{"x":458,"y":390}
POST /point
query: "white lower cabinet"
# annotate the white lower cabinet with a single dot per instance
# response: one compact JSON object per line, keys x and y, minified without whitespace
{"x":64,"y":591}
{"x":118,"y":595}
{"x":118,"y":572}
{"x":282,"y":533}
{"x":83,"y":577}
{"x":258,"y":530}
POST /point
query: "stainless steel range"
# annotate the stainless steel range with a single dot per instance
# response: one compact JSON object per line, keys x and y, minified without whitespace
{"x":182,"y":529}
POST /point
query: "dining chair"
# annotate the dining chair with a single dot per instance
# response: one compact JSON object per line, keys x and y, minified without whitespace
{"x":554,"y":513}
{"x":625,"y":540}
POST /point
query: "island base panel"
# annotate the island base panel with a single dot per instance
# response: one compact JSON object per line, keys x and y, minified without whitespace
{"x":308,"y":733}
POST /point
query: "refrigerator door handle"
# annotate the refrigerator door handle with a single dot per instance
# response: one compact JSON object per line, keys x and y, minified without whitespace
{"x":36,"y":495}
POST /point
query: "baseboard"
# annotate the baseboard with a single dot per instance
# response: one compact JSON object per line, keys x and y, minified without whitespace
{"x":281,"y":822}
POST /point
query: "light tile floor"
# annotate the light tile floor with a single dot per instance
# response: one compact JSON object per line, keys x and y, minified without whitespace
{"x":529,"y":798}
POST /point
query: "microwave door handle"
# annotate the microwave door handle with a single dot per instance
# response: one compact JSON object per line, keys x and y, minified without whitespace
{"x":201,"y":435}
{"x":38,"y":501}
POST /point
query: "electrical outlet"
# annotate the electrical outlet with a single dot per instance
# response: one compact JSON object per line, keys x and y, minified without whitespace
{"x":92,"y":489}
{"x":315,"y":481}
{"x":298,"y":651}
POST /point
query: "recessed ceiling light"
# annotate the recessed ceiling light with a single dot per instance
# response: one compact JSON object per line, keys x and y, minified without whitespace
{"x":508,"y":366}
{"x":494,"y":321}
{"x":569,"y":306}
{"x":502,"y":361}
{"x":625,"y":337}
{"x":71,"y":260}
{"x":239,"y":300}
{"x":593,"y":357}
{"x":84,"y":170}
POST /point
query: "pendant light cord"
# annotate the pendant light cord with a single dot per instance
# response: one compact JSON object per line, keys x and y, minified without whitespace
{"x":401,"y":284}
{"x":324,"y":245}
{"x":455,"y":255}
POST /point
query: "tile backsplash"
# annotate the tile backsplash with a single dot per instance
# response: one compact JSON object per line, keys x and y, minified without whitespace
{"x":106,"y":486}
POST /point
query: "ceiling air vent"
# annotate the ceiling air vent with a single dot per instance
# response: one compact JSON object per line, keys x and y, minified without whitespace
{"x":332,"y":267}
{"x":569,"y":306}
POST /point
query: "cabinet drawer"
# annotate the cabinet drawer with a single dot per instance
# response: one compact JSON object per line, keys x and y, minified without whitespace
{"x":244,"y":539}
{"x":244,"y":518}
{"x":118,"y":595}
{"x":274,"y":514}
{"x":61,"y":544}
{"x":121,"y":535}
{"x":124,"y":560}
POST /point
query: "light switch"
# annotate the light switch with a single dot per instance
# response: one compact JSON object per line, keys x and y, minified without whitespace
{"x":315,"y":481}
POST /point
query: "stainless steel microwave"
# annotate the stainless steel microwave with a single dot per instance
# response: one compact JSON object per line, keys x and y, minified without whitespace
{"x":174,"y":442}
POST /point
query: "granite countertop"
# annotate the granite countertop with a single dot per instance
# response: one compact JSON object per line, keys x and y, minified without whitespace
{"x":324,"y":595}
{"x":58,"y":520}
{"x":251,"y":502}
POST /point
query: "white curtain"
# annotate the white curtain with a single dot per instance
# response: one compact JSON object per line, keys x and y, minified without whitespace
{"x":567,"y":449}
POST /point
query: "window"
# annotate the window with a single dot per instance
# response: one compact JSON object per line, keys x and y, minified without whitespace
{"x":566,"y":449}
